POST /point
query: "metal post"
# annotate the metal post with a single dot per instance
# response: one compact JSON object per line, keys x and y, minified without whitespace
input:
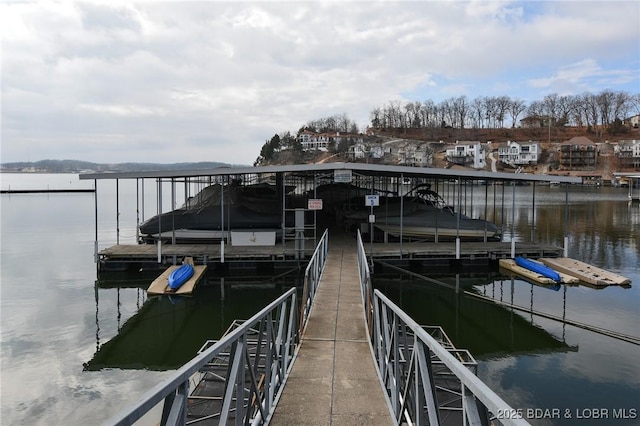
{"x":513,"y":218}
{"x":401,"y":211}
{"x":315,"y":215}
{"x":486,"y":218}
{"x":137,"y":209}
{"x":566,"y":220}
{"x":222,"y":218}
{"x":159,"y":199}
{"x":458,"y":218}
{"x":533,"y":216}
{"x":173,"y":219}
{"x":95,"y":205}
{"x":117,"y":211}
{"x":371,"y":227}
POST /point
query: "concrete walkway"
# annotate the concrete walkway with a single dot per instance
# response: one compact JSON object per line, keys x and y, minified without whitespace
{"x":333,"y":380}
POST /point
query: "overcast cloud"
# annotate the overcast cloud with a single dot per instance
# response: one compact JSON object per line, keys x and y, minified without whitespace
{"x":211,"y":81}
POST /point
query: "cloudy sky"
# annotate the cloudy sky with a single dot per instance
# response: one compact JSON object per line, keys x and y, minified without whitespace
{"x":211,"y":81}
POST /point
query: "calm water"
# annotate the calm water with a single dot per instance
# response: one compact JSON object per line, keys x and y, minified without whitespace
{"x":75,"y":351}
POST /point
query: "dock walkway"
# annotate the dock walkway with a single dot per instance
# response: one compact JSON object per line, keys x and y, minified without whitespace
{"x":334,"y":380}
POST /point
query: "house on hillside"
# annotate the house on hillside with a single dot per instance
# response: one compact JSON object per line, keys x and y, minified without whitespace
{"x":414,"y":155}
{"x":628,"y":153}
{"x":633,"y":121}
{"x":519,"y":153}
{"x":533,"y":122}
{"x":467,"y":153}
{"x":422,"y":156}
{"x":311,"y":140}
{"x":578,"y":153}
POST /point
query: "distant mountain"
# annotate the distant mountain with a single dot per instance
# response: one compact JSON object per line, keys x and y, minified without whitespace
{"x":76,"y":166}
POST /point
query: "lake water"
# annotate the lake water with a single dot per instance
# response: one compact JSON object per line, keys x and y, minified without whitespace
{"x":75,"y":350}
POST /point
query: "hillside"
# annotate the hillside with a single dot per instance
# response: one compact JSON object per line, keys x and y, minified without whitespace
{"x":548,"y":139}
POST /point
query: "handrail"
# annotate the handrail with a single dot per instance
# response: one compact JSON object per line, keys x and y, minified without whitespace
{"x":366,"y":287}
{"x":246,"y":398}
{"x":411,"y":363}
{"x":312,"y":275}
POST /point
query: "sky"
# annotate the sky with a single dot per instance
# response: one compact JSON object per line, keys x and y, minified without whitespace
{"x":165,"y":82}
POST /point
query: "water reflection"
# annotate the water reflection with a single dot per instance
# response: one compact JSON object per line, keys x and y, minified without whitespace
{"x":481,"y":326}
{"x":166,"y":331}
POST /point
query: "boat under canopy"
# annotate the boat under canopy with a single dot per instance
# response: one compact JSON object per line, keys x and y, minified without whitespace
{"x":423,"y":214}
{"x":215,"y":211}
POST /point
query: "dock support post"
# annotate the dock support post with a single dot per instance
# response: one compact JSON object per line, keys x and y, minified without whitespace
{"x":95,"y":206}
{"x":159,"y":200}
{"x":117,"y":211}
{"x":137,"y":210}
{"x":566,"y":219}
{"x":513,"y":219}
{"x":533,"y":215}
{"x":222,"y":249}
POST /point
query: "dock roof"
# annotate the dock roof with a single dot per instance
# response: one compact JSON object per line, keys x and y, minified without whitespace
{"x":311,"y":169}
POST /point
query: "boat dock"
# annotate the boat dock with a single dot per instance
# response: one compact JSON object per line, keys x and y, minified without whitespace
{"x":214,"y":255}
{"x":586,"y":273}
{"x":334,"y":379}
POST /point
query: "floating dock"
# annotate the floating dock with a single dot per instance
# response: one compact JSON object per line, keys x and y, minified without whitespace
{"x":584,"y":272}
{"x":510,"y":264}
{"x":160,"y":285}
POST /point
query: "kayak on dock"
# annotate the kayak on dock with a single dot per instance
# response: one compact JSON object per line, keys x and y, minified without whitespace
{"x":539,"y":268}
{"x":180,"y":276}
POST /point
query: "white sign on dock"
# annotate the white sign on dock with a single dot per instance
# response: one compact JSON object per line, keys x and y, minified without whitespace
{"x":314,"y":204}
{"x":372,"y":200}
{"x":342,"y":176}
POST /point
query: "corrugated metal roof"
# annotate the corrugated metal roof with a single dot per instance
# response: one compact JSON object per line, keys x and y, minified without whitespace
{"x":310,"y":169}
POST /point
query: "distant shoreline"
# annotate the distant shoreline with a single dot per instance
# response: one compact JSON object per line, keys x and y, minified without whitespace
{"x":44,"y":191}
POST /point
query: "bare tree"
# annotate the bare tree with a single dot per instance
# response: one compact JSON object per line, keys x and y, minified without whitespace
{"x":621,"y":105}
{"x":550,"y":104}
{"x":502,"y":104}
{"x":460,"y":109}
{"x":375,"y":117}
{"x":477,"y":113}
{"x":566,"y":105}
{"x":428,"y":112}
{"x":516,"y":107}
{"x":491,"y":111}
{"x":605,"y":101}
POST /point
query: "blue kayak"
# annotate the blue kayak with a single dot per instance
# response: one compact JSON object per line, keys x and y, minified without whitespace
{"x":180,"y":276}
{"x":539,"y":268}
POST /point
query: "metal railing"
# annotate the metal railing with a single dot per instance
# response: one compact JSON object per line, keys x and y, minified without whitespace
{"x":255,"y":358}
{"x":426,"y":380}
{"x":312,"y":277}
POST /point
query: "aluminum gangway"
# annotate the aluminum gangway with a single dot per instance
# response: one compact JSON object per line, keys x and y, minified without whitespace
{"x":240,"y":379}
{"x":426,"y":380}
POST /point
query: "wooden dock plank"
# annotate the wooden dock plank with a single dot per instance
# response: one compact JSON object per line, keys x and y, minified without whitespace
{"x":585,"y":272}
{"x":160,"y":285}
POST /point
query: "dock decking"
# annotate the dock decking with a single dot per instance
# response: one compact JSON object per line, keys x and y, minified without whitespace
{"x":585,"y":272}
{"x":334,"y":380}
{"x":160,"y":285}
{"x":415,"y":251}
